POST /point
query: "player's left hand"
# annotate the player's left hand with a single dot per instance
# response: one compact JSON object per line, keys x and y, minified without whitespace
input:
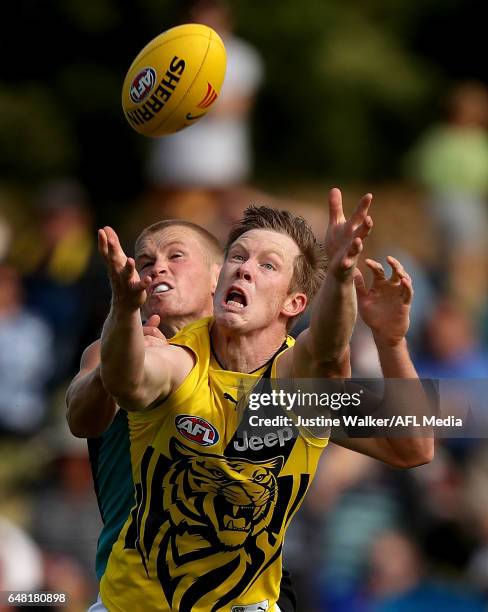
{"x":153,"y":336}
{"x":344,"y":237}
{"x":385,"y":307}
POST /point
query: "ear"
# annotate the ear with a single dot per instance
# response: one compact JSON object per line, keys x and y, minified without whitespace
{"x":214,"y":277}
{"x":294,"y":305}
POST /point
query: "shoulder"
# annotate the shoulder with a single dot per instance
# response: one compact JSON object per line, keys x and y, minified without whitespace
{"x":91,"y":356}
{"x":195,"y":337}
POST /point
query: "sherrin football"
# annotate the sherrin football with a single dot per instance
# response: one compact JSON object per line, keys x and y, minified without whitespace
{"x":175,"y":80}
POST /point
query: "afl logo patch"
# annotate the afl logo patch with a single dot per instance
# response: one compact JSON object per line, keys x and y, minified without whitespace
{"x":142,"y":85}
{"x":196,"y":430}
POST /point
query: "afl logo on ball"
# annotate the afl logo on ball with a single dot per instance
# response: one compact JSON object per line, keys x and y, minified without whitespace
{"x":142,"y":85}
{"x":196,"y":430}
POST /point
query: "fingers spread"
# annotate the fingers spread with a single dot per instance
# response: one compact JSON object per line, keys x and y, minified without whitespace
{"x":364,"y":228}
{"x":377,"y":269}
{"x":336,"y":213}
{"x":350,"y":258}
{"x":359,"y":283}
{"x":361,"y":211}
{"x":102,"y":243}
{"x":398,"y":271}
{"x":109,"y":247}
{"x":407,"y":290}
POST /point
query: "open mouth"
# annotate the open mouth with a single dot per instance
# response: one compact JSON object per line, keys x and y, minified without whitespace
{"x":235,"y":517}
{"x":161,"y":288}
{"x":236,"y":298}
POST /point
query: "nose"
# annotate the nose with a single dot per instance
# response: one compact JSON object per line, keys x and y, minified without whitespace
{"x":159,"y":267}
{"x":245,"y":271}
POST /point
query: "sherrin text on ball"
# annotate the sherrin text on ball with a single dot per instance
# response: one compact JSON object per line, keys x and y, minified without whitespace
{"x":175,"y":80}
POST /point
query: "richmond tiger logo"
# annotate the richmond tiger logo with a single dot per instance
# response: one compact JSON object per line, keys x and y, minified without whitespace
{"x":224,"y":501}
{"x":208,"y":511}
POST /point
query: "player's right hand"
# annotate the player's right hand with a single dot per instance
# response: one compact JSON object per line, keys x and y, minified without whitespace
{"x":344,"y":237}
{"x":128,"y":289}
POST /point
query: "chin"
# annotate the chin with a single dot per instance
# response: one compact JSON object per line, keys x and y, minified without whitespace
{"x":231,"y":320}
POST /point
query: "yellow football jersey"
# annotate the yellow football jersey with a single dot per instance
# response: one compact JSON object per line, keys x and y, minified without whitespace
{"x":213,"y":497}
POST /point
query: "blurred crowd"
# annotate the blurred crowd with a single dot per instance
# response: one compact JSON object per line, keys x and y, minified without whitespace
{"x":369,"y":538}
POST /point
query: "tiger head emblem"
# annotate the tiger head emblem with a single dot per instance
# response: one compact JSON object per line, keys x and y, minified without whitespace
{"x":224,"y":501}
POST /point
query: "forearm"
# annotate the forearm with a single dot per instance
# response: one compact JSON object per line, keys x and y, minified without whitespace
{"x":90,"y":410}
{"x":404,"y":396}
{"x":122,"y":354}
{"x":394,"y":358}
{"x":333,"y":319}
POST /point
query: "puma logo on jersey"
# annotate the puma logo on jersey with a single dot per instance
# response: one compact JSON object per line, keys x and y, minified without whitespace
{"x":270,"y":439}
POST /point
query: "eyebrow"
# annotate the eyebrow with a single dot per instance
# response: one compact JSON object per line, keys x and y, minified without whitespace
{"x":267,"y":252}
{"x":146,"y":254}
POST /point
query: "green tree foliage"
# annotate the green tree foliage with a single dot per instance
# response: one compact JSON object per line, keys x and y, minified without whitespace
{"x":348,"y":85}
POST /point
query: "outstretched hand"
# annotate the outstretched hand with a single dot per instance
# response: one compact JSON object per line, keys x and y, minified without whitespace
{"x":128,"y":289}
{"x":344,"y":237}
{"x":385,"y":307}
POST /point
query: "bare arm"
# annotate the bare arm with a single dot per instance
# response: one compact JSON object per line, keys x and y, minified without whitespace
{"x":385,"y":309}
{"x":90,"y":409}
{"x":323,"y":347}
{"x":134,"y":375}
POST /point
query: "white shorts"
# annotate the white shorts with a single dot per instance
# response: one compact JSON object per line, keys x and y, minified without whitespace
{"x":99,"y":607}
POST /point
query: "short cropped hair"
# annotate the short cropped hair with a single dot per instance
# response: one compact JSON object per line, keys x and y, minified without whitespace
{"x":211,"y":245}
{"x":310,"y":266}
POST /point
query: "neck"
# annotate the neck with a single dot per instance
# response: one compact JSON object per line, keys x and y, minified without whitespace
{"x":170,"y":327}
{"x":248,"y":351}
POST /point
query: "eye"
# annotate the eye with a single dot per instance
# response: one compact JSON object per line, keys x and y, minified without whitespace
{"x":146,"y":264}
{"x":268,"y":266}
{"x":237,"y":257}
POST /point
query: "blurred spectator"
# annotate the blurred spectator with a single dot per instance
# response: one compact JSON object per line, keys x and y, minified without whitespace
{"x":476,"y":499}
{"x":451,"y":162}
{"x":5,"y":237}
{"x":65,"y":520}
{"x":214,"y":155}
{"x":64,"y":277}
{"x":355,"y":498}
{"x":398,"y":583}
{"x":25,"y":359}
{"x":20,"y":559}
{"x":451,"y":347}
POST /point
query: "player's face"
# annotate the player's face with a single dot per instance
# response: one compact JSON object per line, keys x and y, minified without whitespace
{"x":183,"y":282}
{"x":253,"y":288}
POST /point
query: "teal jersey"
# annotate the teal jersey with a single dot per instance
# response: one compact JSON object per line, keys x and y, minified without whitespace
{"x":114,"y":487}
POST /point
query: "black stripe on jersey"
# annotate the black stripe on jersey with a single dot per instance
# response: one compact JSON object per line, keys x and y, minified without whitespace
{"x":285,"y":490}
{"x":146,"y":459}
{"x":277,"y":553}
{"x":131,"y":535}
{"x":207,"y":583}
{"x":257,"y":557}
{"x":168,"y":584}
{"x":304,"y":480}
{"x":156,"y":515}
